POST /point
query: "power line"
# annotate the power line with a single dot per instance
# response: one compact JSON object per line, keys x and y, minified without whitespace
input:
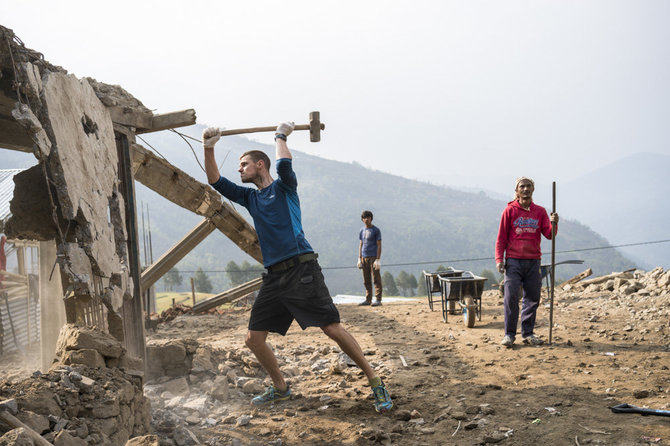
{"x":474,"y":259}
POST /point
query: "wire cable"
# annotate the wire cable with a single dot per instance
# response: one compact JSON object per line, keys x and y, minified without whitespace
{"x":474,"y":259}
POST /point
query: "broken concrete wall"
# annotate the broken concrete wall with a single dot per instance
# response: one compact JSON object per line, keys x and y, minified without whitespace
{"x":71,"y":134}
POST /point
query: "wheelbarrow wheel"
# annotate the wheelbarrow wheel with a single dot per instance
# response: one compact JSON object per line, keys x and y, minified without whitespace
{"x":469,"y":310}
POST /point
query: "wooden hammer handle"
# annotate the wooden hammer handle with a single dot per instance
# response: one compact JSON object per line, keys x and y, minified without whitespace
{"x":264,"y":129}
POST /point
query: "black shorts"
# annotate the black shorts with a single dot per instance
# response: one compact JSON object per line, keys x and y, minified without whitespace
{"x":298,"y":293}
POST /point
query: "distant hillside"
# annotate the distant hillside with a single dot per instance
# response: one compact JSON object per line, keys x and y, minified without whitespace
{"x":422,"y":225}
{"x":626,"y":202}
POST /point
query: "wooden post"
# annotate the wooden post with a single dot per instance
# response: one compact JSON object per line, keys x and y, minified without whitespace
{"x":553,"y":261}
{"x":133,"y":320}
{"x":193,"y":291}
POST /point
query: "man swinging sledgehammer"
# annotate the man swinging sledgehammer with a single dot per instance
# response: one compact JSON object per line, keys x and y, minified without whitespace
{"x":293,"y":287}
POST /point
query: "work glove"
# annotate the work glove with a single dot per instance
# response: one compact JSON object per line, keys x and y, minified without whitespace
{"x":553,"y":217}
{"x":359,"y":265}
{"x":501,"y":267}
{"x":210,"y":136}
{"x":376,"y":265}
{"x":285,"y":128}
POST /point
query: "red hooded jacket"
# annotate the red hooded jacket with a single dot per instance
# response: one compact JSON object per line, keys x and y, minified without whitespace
{"x":519,"y":232}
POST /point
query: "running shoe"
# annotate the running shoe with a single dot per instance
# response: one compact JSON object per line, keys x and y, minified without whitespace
{"x":383,"y":401}
{"x":271,"y":395}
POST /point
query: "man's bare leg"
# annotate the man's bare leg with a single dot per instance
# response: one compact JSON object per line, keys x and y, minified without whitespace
{"x":350,"y":346}
{"x":255,"y":340}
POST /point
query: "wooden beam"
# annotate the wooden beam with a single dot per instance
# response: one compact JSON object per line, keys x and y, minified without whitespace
{"x":14,"y":137}
{"x":132,"y":314}
{"x":187,"y":192}
{"x":228,"y":296}
{"x":172,"y":120}
{"x":176,"y":253}
{"x":577,"y":278}
{"x":626,"y":274}
{"x":146,"y":122}
{"x":130,"y":117}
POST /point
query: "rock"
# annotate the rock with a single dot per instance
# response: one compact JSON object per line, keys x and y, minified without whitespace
{"x":145,"y":440}
{"x":415,"y":414}
{"x":38,"y":423}
{"x":320,"y":365}
{"x":220,"y":390}
{"x":63,"y":438}
{"x":230,"y":419}
{"x":178,"y":386}
{"x":42,"y":401}
{"x":198,"y":404}
{"x":472,"y":410}
{"x":458,"y":415}
{"x":202,"y":361}
{"x":87,"y":357}
{"x":471,"y":425}
{"x":193,"y":419}
{"x":243,"y":420}
{"x":184,"y":437}
{"x":17,"y":437}
{"x":73,"y":337}
{"x":495,"y":437}
{"x":340,"y":365}
{"x":664,"y":280}
{"x":639,"y":394}
{"x":10,"y":405}
{"x":253,"y":387}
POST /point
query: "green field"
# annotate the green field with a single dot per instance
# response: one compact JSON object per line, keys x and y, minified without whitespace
{"x":164,"y":300}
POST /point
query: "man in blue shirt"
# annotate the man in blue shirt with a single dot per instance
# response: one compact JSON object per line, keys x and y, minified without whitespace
{"x":293,"y":287}
{"x":369,"y":253}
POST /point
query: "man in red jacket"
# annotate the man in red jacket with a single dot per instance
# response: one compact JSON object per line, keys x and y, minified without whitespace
{"x":518,"y":244}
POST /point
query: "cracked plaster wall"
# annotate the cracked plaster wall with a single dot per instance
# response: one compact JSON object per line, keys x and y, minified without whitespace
{"x":73,"y":134}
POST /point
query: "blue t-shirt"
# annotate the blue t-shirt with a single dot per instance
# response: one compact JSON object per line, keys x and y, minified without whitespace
{"x":276,"y":213}
{"x":369,"y":237}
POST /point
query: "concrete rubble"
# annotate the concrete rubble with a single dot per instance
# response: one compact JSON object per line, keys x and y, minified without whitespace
{"x":92,"y":394}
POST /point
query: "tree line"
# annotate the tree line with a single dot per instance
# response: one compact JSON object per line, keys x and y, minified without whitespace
{"x":236,"y":275}
{"x":407,"y":284}
{"x":403,"y":284}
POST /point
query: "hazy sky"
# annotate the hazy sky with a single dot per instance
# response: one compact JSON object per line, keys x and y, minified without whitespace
{"x":441,"y":91}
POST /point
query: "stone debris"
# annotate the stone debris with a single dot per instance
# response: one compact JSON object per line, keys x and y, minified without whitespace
{"x":82,"y":400}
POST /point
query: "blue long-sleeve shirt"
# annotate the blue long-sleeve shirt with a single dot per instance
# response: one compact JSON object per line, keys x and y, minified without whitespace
{"x":276,"y":213}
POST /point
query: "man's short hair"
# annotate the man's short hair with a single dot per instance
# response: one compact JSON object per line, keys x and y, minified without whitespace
{"x":366,"y":214}
{"x":257,"y":155}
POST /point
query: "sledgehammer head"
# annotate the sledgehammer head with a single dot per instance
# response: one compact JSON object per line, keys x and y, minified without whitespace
{"x":315,"y":126}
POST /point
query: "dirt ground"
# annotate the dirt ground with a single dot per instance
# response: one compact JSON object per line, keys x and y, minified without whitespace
{"x":459,"y":385}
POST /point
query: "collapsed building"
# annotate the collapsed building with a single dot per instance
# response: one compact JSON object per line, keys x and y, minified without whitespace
{"x":77,"y":205}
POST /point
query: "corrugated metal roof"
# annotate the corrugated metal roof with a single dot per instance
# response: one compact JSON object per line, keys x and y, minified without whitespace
{"x":6,"y":191}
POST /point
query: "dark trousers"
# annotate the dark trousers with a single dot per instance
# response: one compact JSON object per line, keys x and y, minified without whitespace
{"x":522,"y":273}
{"x":371,"y":275}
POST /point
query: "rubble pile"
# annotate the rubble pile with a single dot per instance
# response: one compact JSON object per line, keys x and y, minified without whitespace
{"x":653,"y":283}
{"x":174,"y":311}
{"x":193,"y":387}
{"x":90,"y":396}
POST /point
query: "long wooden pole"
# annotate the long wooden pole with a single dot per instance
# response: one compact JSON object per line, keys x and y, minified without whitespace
{"x":553,"y":261}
